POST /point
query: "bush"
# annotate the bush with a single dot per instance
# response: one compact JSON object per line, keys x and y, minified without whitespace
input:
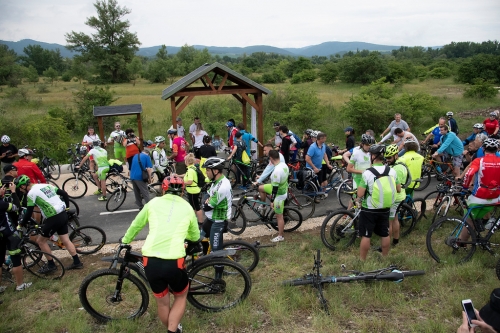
{"x":276,"y":76}
{"x":43,"y":89}
{"x":363,"y":69}
{"x":439,"y":73}
{"x":66,"y":115}
{"x":66,"y":77}
{"x":481,"y":90}
{"x":481,"y":66}
{"x":329,"y":73}
{"x":307,"y":75}
{"x":86,"y":98}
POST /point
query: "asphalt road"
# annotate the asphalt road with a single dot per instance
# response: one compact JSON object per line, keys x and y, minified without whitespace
{"x":115,"y":224}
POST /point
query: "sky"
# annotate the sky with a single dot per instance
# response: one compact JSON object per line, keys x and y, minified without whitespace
{"x":291,"y":23}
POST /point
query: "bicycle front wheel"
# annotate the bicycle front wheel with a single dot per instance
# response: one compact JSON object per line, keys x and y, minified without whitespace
{"x":238,"y":222}
{"x":303,"y":203}
{"x":35,"y":262}
{"x":211,"y":294}
{"x":292,"y":218}
{"x":88,"y":239}
{"x":442,"y":209}
{"x":105,"y":299}
{"x":231,"y":176}
{"x":339,"y":229}
{"x":76,"y":187}
{"x":426,"y":180}
{"x":246,"y":254}
{"x":75,"y":206}
{"x":407,"y":219}
{"x":451,"y":241}
{"x":54,"y":169}
{"x":342,"y":193}
{"x":116,"y":200}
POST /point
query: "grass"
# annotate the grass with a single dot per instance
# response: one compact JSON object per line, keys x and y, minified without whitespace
{"x":429,"y":303}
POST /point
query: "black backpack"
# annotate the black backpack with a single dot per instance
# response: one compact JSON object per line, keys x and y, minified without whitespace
{"x":201,"y":177}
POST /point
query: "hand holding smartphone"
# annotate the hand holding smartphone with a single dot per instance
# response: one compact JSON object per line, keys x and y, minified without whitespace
{"x":469,"y":311}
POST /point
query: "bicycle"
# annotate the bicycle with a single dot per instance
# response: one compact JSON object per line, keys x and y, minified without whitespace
{"x":453,"y":196}
{"x":111,"y":294}
{"x":442,"y":170}
{"x":317,"y":280}
{"x":120,"y":185}
{"x":76,"y":187}
{"x":238,"y":222}
{"x":49,"y":167}
{"x":408,"y":213}
{"x":445,"y":244}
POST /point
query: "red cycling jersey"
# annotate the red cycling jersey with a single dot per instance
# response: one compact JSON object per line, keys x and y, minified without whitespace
{"x":487,"y":181}
{"x":231,"y":137}
{"x":30,"y":169}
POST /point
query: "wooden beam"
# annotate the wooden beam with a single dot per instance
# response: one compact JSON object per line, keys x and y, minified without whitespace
{"x":101,"y":128}
{"x":238,"y":98}
{"x":260,"y":121}
{"x":209,"y":81}
{"x":139,"y":126}
{"x":200,"y":91}
{"x":244,"y":111}
{"x":215,"y":76}
{"x":249,"y":100}
{"x":223,"y":82}
{"x":183,"y":105}
{"x":204,"y":83}
{"x":179,"y":100}
{"x":172,"y":109}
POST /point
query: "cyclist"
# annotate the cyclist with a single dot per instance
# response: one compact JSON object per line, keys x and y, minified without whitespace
{"x":8,"y":152}
{"x":434,"y":132}
{"x":100,"y":157}
{"x":26,"y":167}
{"x":306,"y":141}
{"x":278,"y":191}
{"x":397,"y":122}
{"x":287,"y":142}
{"x":206,"y":151}
{"x":171,"y":220}
{"x":350,"y":140}
{"x":46,"y":197}
{"x":9,"y":239}
{"x":160,"y":161}
{"x":452,"y":123}
{"x":478,"y":128}
{"x":239,"y":147}
{"x":179,"y":149}
{"x":315,"y":155}
{"x":247,"y":137}
{"x":131,"y":144}
{"x":375,"y":208}
{"x":360,"y":159}
{"x":391,"y":156}
{"x":231,"y":131}
{"x":491,"y":124}
{"x":401,"y":136}
{"x":117,"y":137}
{"x":192,"y":188}
{"x":450,"y":146}
{"x":265,"y":174}
{"x":413,"y":161}
{"x":277,"y":136}
{"x":217,"y":206}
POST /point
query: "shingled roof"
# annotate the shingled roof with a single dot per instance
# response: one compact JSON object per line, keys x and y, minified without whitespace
{"x":115,"y":110}
{"x":220,"y":69}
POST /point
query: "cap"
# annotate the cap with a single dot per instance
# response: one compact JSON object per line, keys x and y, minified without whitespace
{"x":276,"y":124}
{"x":349,"y":128}
{"x":490,"y":313}
{"x":178,"y":119}
{"x":9,"y":168}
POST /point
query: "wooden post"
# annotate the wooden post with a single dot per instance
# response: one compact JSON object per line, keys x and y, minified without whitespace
{"x":101,"y":128}
{"x":260,"y":121}
{"x":139,"y":125}
{"x":244,"y":111}
{"x":172,"y":107}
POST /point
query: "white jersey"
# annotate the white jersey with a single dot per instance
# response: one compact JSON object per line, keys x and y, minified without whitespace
{"x":100,"y":156}
{"x":44,"y":196}
{"x":221,"y":199}
{"x":160,"y":159}
{"x":361,"y":161}
{"x":117,"y":134}
{"x":198,"y":138}
{"x":279,"y":178}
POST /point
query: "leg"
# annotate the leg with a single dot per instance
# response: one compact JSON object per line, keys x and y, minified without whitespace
{"x":177,"y":311}
{"x":137,"y":193}
{"x":281,"y":224}
{"x":143,"y":188}
{"x":364,"y":247}
{"x":163,"y":305}
{"x":385,"y":245}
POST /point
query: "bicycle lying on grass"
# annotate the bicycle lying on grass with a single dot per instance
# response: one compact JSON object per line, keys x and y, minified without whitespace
{"x":317,"y":280}
{"x":111,"y":294}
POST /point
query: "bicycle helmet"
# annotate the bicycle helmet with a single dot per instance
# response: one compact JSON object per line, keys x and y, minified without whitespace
{"x":478,"y":126}
{"x":173,"y":185}
{"x":159,"y":139}
{"x":83,"y":150}
{"x":314,"y":134}
{"x":377,"y":149}
{"x":367,"y":139}
{"x":5,"y":139}
{"x":172,"y":130}
{"x":410,"y":140}
{"x":449,"y":114}
{"x":24,"y":152}
{"x":229,"y":124}
{"x":214,"y":163}
{"x":491,"y":114}
{"x":308,"y":131}
{"x":391,"y":150}
{"x":22,"y":180}
{"x":490,"y":143}
{"x":96,"y":143}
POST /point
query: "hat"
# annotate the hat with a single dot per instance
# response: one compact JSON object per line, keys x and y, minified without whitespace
{"x":9,"y":168}
{"x":178,"y":119}
{"x":229,"y":124}
{"x":276,"y":124}
{"x":490,"y":313}
{"x":349,"y":128}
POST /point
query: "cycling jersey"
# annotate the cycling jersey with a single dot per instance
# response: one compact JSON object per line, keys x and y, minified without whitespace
{"x":388,"y":194}
{"x":30,"y":169}
{"x":361,"y":161}
{"x":89,"y":139}
{"x":179,"y":146}
{"x":160,"y":159}
{"x":401,"y":175}
{"x":269,"y":169}
{"x":192,"y":175}
{"x":6,"y":228}
{"x":100,"y":157}
{"x":230,"y":140}
{"x":221,"y":199}
{"x":44,"y":196}
{"x":490,"y":125}
{"x":247,"y":137}
{"x":171,"y":220}
{"x":487,"y":181}
{"x":117,"y":137}
{"x":413,"y":161}
{"x":279,"y":178}
{"x":451,"y":144}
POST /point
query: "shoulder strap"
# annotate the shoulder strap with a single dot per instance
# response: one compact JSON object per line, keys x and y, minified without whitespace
{"x":378,"y":174}
{"x":140,"y":163}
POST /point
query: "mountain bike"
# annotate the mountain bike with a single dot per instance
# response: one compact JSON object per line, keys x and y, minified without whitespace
{"x":410,"y":211}
{"x":317,"y":280}
{"x":116,"y":293}
{"x":454,"y":196}
{"x":76,"y":186}
{"x":120,"y":184}
{"x":50,"y":168}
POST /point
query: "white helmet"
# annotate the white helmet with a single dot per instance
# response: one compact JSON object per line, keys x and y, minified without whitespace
{"x":83,"y":150}
{"x":24,"y":152}
{"x":478,"y":126}
{"x":449,"y":114}
{"x":5,"y":139}
{"x":159,"y":139}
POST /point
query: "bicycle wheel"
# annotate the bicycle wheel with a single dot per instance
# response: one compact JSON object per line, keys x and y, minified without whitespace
{"x":434,"y":198}
{"x":339,"y":229}
{"x":249,"y":213}
{"x":442,"y":209}
{"x":113,"y":181}
{"x":74,"y":205}
{"x":343,"y":197}
{"x":444,"y":241}
{"x":246,"y":254}
{"x":75,"y":187}
{"x":303,"y":203}
{"x":407,"y":219}
{"x":310,"y":189}
{"x":54,"y":169}
{"x":238,"y":222}
{"x":419,"y":206}
{"x":426,"y":180}
{"x":213,"y":295}
{"x":34,"y":260}
{"x":231,"y":176}
{"x":116,"y":200}
{"x":88,"y":239}
{"x":72,"y":218}
{"x":105,"y":299}
{"x":292,"y":217}
{"x":27,"y":246}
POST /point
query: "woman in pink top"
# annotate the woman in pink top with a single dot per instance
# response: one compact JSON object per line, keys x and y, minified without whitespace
{"x":491,"y":124}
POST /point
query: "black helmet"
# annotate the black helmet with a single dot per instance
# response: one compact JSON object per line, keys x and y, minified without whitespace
{"x":377,"y":149}
{"x":214,"y":163}
{"x":367,"y":139}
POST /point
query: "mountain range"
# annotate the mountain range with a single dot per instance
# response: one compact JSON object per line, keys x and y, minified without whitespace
{"x":323,"y":49}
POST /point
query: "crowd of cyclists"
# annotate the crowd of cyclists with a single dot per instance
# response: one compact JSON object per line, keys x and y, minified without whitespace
{"x":379,"y":172}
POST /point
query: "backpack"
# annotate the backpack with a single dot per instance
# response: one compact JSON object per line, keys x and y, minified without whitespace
{"x":408,"y":175}
{"x":382,"y":181}
{"x":201,"y":177}
{"x":299,"y":141}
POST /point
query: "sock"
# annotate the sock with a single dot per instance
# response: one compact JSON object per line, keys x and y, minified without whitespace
{"x":76,"y":260}
{"x":172,"y":331}
{"x":395,"y":241}
{"x":51,"y":263}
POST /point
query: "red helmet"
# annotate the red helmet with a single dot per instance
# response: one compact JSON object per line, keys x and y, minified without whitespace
{"x":173,"y":184}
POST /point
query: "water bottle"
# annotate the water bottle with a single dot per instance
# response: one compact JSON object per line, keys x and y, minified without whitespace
{"x":54,"y":238}
{"x":438,"y":168}
{"x":490,"y":223}
{"x":8,"y":261}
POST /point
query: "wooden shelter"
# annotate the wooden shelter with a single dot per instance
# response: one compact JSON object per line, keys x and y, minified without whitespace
{"x":118,"y":110}
{"x":181,"y":94}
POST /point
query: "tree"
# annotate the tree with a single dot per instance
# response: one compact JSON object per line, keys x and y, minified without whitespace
{"x":85,"y":99}
{"x":51,"y":74}
{"x":162,"y":53}
{"x":362,"y":69}
{"x":8,"y":67}
{"x":134,"y":68}
{"x":329,"y":73}
{"x":482,"y":66}
{"x":32,"y":75}
{"x":78,"y":69}
{"x":36,"y":56}
{"x":112,"y":47}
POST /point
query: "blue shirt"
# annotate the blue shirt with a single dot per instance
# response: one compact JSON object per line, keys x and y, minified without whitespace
{"x":480,"y":153}
{"x":247,"y":137}
{"x":136,"y":172}
{"x":437,"y":135}
{"x":316,"y":154}
{"x":451,"y":144}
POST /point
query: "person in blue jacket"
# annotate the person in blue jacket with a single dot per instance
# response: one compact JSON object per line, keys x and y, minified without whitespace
{"x":476,"y":129}
{"x":450,"y":146}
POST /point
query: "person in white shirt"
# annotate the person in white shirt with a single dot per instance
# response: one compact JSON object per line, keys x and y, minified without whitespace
{"x":180,"y":130}
{"x":192,"y":128}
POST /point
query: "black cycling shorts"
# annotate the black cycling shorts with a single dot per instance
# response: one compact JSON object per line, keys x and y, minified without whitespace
{"x":194,"y":201}
{"x":163,"y":274}
{"x":374,"y":221}
{"x":57,"y":223}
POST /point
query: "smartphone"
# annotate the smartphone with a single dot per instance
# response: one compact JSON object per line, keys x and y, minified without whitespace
{"x":469,"y":311}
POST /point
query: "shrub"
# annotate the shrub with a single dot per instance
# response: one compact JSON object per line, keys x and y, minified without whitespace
{"x":481,"y":66}
{"x":86,"y":98}
{"x":66,"y":77}
{"x":481,"y":90}
{"x":43,"y":89}
{"x":307,"y":75}
{"x":276,"y":76}
{"x":329,"y":73}
{"x":439,"y":73}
